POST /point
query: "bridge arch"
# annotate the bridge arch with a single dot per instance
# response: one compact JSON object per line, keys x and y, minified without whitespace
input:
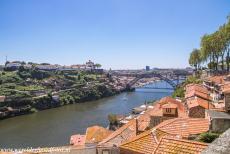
{"x":152,"y":74}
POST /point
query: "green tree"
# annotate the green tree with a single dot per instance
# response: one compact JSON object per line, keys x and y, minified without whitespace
{"x":195,"y":58}
{"x":98,"y":65}
{"x":227,"y":41}
{"x":113,"y":119}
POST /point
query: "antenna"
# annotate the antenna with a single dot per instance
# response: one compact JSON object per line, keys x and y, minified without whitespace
{"x":6,"y":58}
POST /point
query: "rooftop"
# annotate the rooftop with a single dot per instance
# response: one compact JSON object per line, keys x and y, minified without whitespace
{"x":226,"y":87}
{"x":77,"y":140}
{"x":121,"y":135}
{"x":169,"y":105}
{"x":199,"y":102}
{"x":146,"y":142}
{"x":96,"y":134}
{"x":216,"y":79}
{"x":184,"y":126}
{"x":157,"y":109}
{"x":173,"y":145}
{"x":196,"y":87}
{"x":158,"y":141}
{"x":195,"y":93}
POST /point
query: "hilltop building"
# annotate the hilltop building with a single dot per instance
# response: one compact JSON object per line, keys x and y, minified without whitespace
{"x":147,"y":68}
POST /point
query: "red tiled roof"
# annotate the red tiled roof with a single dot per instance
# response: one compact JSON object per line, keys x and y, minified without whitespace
{"x":217,"y":79}
{"x":157,"y":110}
{"x":143,"y":143}
{"x":193,"y":90}
{"x":96,"y":134}
{"x":77,"y":140}
{"x":143,"y":122}
{"x":197,"y":87}
{"x":168,"y":99}
{"x":121,"y":135}
{"x":184,"y":126}
{"x":173,"y":145}
{"x":226,"y":87}
{"x":157,"y":140}
{"x":169,"y":105}
{"x":193,"y":93}
{"x":199,"y":102}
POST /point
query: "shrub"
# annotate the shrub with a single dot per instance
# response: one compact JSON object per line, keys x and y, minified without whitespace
{"x":208,"y":137}
{"x":179,"y":92}
{"x":192,"y":79}
{"x":113,"y":119}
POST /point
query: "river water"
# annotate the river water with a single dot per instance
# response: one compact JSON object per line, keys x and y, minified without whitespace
{"x":54,"y":127}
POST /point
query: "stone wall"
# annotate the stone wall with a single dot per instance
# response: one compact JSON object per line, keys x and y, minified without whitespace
{"x":108,"y":150}
{"x":220,"y":146}
{"x":155,"y":120}
{"x":219,"y":125}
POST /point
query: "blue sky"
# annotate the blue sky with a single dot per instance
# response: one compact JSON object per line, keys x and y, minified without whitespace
{"x":118,"y":34}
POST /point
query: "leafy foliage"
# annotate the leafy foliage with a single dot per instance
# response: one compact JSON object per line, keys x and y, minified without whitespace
{"x":214,"y":46}
{"x":32,"y":89}
{"x":112,"y":119}
{"x":195,"y":58}
{"x":179,"y":92}
{"x":208,"y":137}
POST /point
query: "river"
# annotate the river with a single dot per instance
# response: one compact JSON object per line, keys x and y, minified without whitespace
{"x":54,"y":127}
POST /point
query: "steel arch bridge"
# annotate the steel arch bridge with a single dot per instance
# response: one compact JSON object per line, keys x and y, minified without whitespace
{"x":149,"y":75}
{"x":162,"y":75}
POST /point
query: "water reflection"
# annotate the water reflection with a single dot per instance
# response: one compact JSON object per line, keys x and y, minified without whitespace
{"x":53,"y":127}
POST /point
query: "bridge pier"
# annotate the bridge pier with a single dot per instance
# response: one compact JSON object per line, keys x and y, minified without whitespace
{"x":129,"y":88}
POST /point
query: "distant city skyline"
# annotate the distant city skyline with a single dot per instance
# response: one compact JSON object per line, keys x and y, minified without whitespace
{"x":118,"y":34}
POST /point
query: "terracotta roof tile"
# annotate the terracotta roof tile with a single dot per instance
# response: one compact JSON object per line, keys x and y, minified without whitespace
{"x":121,"y":135}
{"x":226,"y":87}
{"x":173,"y":145}
{"x":196,"y":101}
{"x":168,"y":99}
{"x":184,"y":126}
{"x":217,"y":79}
{"x":157,"y":110}
{"x":157,"y":140}
{"x":197,"y":87}
{"x":193,"y":90}
{"x":193,"y":93}
{"x":96,"y":134}
{"x":144,"y":143}
{"x":169,"y":105}
{"x":143,"y":122}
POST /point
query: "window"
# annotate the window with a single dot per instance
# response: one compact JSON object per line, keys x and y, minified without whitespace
{"x":105,"y":151}
{"x":168,"y":110}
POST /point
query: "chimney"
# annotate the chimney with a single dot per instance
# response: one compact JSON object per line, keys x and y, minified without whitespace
{"x":136,"y":126}
{"x":155,"y":135}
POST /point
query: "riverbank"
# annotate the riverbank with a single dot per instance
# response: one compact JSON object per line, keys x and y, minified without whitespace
{"x":26,"y":91}
{"x":92,"y":87}
{"x":53,"y":127}
{"x":45,"y":102}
